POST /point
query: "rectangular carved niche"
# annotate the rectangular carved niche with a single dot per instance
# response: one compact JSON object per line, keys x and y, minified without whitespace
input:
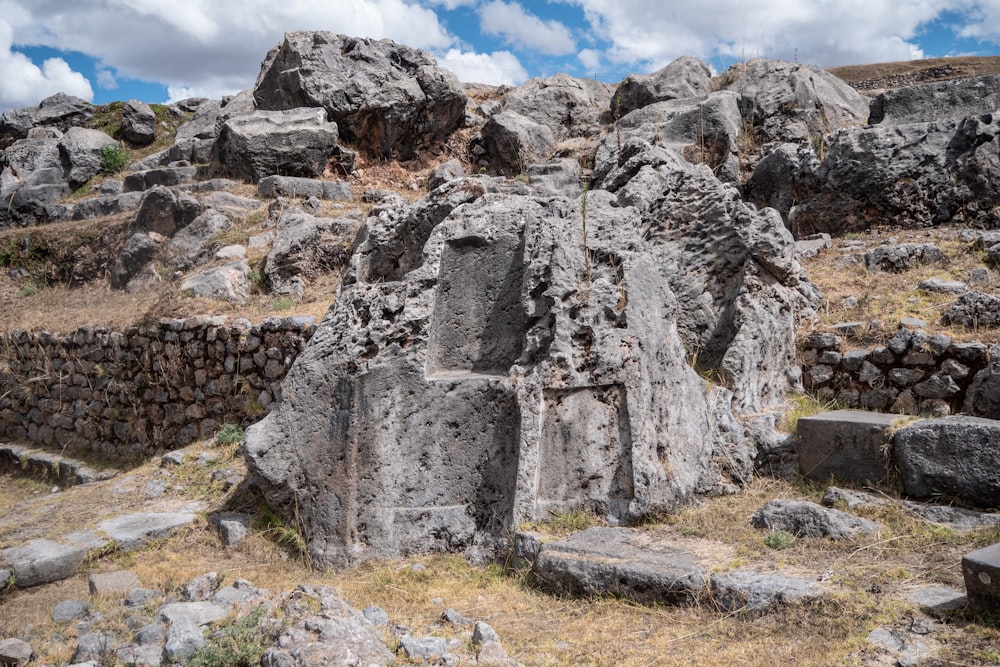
{"x":585,"y":457}
{"x":478,"y":324}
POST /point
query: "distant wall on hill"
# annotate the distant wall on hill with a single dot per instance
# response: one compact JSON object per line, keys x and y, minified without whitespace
{"x":131,"y":394}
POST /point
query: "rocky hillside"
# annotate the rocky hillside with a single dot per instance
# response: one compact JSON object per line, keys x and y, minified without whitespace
{"x":552,"y":305}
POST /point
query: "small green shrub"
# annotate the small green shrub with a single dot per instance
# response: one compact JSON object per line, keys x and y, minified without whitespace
{"x":30,"y":289}
{"x":570,"y":522}
{"x":779,"y":540}
{"x":229,"y":434}
{"x":240,"y":645}
{"x":283,"y":303}
{"x":114,"y":159}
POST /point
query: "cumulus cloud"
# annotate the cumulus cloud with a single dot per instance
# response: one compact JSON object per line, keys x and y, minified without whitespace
{"x":24,"y":83}
{"x":498,"y":68}
{"x":517,"y":27}
{"x":213,"y":47}
{"x":453,"y":4}
{"x":649,"y":34}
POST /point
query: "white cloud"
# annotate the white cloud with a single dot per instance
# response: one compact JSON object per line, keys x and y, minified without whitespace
{"x":518,"y":28}
{"x":590,"y":59}
{"x":648,"y":34}
{"x":498,"y":68}
{"x":212,"y":47}
{"x":106,"y":78}
{"x":24,"y":83}
{"x":453,"y":4}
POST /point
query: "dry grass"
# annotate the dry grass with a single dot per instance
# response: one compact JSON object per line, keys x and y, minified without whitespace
{"x":962,"y":66}
{"x":867,"y":579}
{"x":888,"y":297}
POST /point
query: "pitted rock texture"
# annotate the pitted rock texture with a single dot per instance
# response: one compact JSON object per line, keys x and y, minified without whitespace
{"x":495,"y":356}
{"x":388,"y":99}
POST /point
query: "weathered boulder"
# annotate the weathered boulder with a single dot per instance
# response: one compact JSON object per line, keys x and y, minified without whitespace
{"x":389,"y":100}
{"x":305,"y":247}
{"x":704,"y":130}
{"x":807,"y":519}
{"x":784,"y":177}
{"x":897,"y":258}
{"x":190,"y":246}
{"x":951,"y":456}
{"x":134,"y":531}
{"x":15,"y":652}
{"x":138,"y":123}
{"x":914,"y":175}
{"x":37,"y":172}
{"x":568,"y":106}
{"x":793,"y":102}
{"x":982,"y":399}
{"x":164,"y":211}
{"x":59,"y":112}
{"x":495,"y":364}
{"x":740,"y":590}
{"x":42,"y":562}
{"x":338,"y":634}
{"x":558,"y":177}
{"x":138,"y":181}
{"x":973,"y":310}
{"x":97,"y":207}
{"x":139,"y":250}
{"x":229,"y":282}
{"x":936,"y":101}
{"x":294,"y":142}
{"x":291,"y":186}
{"x":509,"y":142}
{"x":684,"y":77}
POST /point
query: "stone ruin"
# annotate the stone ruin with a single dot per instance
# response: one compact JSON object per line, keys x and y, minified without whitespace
{"x":495,"y":356}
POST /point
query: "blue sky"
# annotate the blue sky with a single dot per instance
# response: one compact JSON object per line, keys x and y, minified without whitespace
{"x":156,"y":51}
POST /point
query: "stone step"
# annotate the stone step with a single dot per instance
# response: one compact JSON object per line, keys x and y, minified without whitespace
{"x":49,"y":466}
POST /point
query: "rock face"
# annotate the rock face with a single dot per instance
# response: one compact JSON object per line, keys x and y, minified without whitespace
{"x":568,"y":106}
{"x":297,"y":142}
{"x":913,"y":175}
{"x":58,"y":112}
{"x":952,"y":456}
{"x":938,"y":100}
{"x":388,"y":99}
{"x":489,"y":363}
{"x":138,"y":123}
{"x":684,"y":77}
{"x":509,"y":142}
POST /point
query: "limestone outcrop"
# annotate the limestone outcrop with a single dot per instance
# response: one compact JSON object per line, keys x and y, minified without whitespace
{"x":495,"y":356}
{"x":387,"y":99}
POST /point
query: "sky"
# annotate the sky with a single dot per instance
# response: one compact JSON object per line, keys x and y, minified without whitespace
{"x":163,"y":51}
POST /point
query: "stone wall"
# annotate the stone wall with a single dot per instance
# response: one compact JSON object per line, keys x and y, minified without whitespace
{"x":913,"y":373}
{"x":148,"y":389}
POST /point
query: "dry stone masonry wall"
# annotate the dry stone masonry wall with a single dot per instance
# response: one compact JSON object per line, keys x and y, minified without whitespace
{"x":913,"y":373}
{"x":134,"y":393}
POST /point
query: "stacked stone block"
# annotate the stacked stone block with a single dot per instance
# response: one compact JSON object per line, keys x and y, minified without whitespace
{"x":913,"y":373}
{"x":147,"y":389}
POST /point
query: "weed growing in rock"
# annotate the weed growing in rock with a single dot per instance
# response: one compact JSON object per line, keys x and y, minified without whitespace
{"x":779,"y":540}
{"x":229,"y":434}
{"x":241,"y":644}
{"x":114,"y":159}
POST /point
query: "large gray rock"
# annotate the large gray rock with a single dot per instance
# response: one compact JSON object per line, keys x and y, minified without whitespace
{"x":59,"y":111}
{"x":387,"y":99}
{"x":974,"y":310}
{"x":305,"y":247}
{"x":183,"y":639}
{"x":936,"y":100}
{"x":134,"y":531}
{"x":36,"y":172}
{"x":784,"y":176}
{"x":704,"y":130}
{"x":897,"y":258}
{"x":338,"y":634}
{"x":137,"y":181}
{"x":684,"y":77}
{"x":847,"y":444}
{"x":291,"y":186}
{"x":509,"y":142}
{"x":97,"y":207}
{"x":759,"y":591}
{"x":497,"y":365}
{"x":138,"y":123}
{"x":42,"y":562}
{"x":913,"y":175}
{"x":190,"y":246}
{"x":229,"y":282}
{"x":568,"y":106}
{"x":982,"y":398}
{"x":294,"y":142}
{"x":625,"y":562}
{"x":793,"y":102}
{"x":164,"y":211}
{"x":15,"y":652}
{"x":807,"y":519}
{"x":951,"y":456}
{"x":138,"y":251}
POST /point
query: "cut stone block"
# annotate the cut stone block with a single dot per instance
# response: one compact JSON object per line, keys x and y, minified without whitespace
{"x":112,"y":583}
{"x":42,"y":562}
{"x":981,"y":570}
{"x":846,"y":444}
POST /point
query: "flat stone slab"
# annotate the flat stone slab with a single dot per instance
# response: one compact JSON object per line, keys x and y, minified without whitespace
{"x":847,"y":444}
{"x":49,"y":466}
{"x":759,"y":591}
{"x":113,"y":583}
{"x":806,"y":519}
{"x":956,"y":518}
{"x":15,"y":652}
{"x":198,"y":613}
{"x":42,"y":562}
{"x":981,"y":570}
{"x":645,"y":566}
{"x":937,"y":599}
{"x":133,"y":531}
